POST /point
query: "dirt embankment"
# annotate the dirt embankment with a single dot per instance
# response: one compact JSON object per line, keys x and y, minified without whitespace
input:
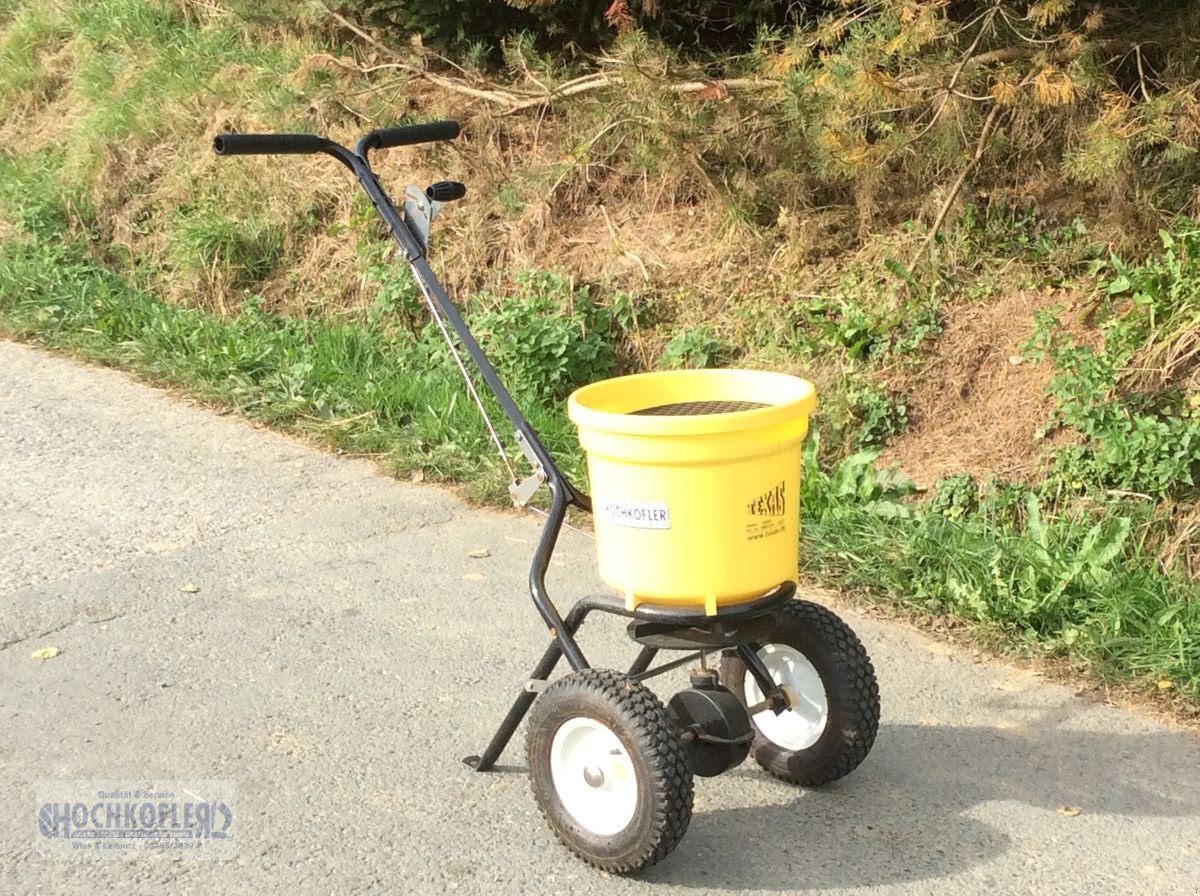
{"x":977,"y":405}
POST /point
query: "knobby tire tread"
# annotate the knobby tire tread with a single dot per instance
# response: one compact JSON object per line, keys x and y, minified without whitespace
{"x":656,"y":738}
{"x":840,"y":752}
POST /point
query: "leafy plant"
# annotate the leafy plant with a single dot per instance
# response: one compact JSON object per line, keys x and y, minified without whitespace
{"x":1143,"y":432}
{"x":879,"y":415}
{"x":548,"y":337}
{"x":850,"y":325}
{"x":854,"y":487}
{"x":1048,"y":572}
{"x":396,"y":295}
{"x":694,"y":347}
{"x":1067,"y":578}
{"x":866,"y":322}
{"x":954,"y":496}
{"x":510,"y":198}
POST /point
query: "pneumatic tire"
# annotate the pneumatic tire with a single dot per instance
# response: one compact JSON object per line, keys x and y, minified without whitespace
{"x":608,"y":770}
{"x":831,"y":728}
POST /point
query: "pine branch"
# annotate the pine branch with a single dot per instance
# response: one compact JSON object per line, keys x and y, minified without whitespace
{"x":969,"y":63}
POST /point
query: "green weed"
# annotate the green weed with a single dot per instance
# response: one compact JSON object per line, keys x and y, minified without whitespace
{"x":878,"y":415}
{"x":695,"y":347}
{"x":548,"y":337}
{"x":1051,"y":250}
{"x":954,"y":496}
{"x":865,"y":322}
{"x":1127,"y":398}
{"x":510,"y":199}
{"x":1068,"y":579}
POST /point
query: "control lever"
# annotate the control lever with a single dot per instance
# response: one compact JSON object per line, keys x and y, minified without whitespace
{"x":446,"y":191}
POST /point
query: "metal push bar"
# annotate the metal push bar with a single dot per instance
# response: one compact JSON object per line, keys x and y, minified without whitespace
{"x":563,"y":494}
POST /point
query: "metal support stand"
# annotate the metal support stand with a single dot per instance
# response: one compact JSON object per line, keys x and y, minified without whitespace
{"x":685,"y":620}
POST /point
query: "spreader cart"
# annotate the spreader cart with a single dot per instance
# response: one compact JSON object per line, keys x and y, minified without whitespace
{"x":695,"y":485}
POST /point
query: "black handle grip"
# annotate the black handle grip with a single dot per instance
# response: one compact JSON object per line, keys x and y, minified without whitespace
{"x":266,"y":144}
{"x":446,"y":191}
{"x":408,"y":134}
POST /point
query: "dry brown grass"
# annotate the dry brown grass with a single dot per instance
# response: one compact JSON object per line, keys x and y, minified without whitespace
{"x":976,"y":405}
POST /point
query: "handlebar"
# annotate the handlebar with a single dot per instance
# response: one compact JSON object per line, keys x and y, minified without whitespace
{"x":406,"y":135}
{"x":412,"y":243}
{"x":384,"y":138}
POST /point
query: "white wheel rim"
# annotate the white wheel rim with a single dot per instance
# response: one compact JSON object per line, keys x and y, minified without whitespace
{"x":593,"y":776}
{"x":801,"y":726}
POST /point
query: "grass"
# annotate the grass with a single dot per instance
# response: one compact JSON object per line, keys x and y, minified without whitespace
{"x":202,"y":237}
{"x":1072,"y":577}
{"x":116,"y":91}
{"x":353,"y":384}
{"x":32,"y":31}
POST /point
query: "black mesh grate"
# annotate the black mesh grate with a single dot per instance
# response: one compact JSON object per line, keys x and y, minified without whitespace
{"x":693,"y":408}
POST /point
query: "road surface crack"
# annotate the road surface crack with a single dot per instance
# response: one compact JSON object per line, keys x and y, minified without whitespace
{"x":12,"y":642}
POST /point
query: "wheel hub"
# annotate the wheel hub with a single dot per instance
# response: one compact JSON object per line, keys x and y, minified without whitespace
{"x":802,"y":725}
{"x":715,"y":728}
{"x":593,"y":775}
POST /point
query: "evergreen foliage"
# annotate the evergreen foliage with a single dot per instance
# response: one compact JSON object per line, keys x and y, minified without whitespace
{"x":884,"y":97}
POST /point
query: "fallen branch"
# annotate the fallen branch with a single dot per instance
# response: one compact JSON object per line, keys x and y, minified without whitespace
{"x":715,"y":89}
{"x":517,"y":100}
{"x":923,"y":80}
{"x":346,"y":23}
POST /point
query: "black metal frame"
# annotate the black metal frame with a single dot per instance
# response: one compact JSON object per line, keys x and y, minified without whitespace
{"x":657,"y":627}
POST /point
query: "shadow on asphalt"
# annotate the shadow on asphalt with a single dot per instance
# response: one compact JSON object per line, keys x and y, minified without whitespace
{"x":906,"y":814}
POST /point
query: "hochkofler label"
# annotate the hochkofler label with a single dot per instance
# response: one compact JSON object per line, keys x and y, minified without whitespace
{"x":636,"y":514}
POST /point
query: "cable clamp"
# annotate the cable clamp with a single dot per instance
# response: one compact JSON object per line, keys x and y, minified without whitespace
{"x":522,"y":491}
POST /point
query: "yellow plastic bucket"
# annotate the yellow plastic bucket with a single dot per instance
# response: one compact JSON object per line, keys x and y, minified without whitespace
{"x":695,"y":480}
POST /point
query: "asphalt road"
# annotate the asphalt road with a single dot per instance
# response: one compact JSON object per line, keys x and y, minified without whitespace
{"x":230,"y":605}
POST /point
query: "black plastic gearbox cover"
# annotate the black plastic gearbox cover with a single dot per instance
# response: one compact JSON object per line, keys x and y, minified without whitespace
{"x":715,"y":728}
